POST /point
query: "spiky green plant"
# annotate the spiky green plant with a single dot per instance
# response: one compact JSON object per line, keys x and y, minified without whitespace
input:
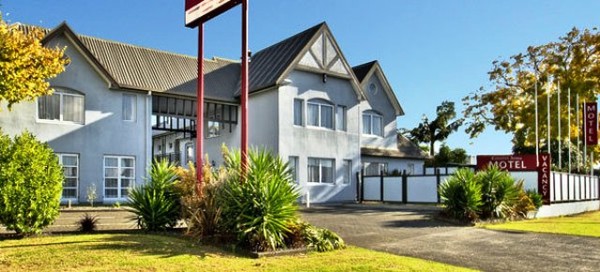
{"x":461,"y":195}
{"x":260,"y":208}
{"x":155,"y":204}
{"x":499,"y":192}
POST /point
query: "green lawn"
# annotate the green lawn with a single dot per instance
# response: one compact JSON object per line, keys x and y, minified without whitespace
{"x":587,"y":224}
{"x":140,"y":252}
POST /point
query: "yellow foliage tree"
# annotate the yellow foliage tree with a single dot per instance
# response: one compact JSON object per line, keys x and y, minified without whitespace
{"x":26,"y":65}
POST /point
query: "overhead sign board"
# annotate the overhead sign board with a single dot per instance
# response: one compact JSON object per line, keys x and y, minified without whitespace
{"x":197,"y":11}
{"x":591,"y":123}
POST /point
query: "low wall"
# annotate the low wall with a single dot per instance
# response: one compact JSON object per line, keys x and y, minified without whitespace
{"x":560,"y":209}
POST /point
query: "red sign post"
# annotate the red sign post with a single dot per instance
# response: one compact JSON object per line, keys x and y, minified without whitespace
{"x":590,"y":110}
{"x":525,"y":162}
{"x":197,"y":12}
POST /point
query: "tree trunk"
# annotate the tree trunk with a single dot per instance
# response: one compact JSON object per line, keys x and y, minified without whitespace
{"x":431,"y":151}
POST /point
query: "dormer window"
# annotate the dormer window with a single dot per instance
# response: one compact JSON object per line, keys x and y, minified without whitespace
{"x":320,"y":113}
{"x":372,"y":123}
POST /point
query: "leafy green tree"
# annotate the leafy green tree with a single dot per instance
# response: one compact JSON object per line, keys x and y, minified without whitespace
{"x":447,"y":155}
{"x":26,"y":65}
{"x":438,"y":129}
{"x":30,"y":184}
{"x":573,"y":62}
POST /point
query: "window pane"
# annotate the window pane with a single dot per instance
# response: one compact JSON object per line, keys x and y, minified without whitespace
{"x":328,"y":171}
{"x":73,"y":108}
{"x":313,"y":115}
{"x":298,"y":105}
{"x":111,"y":172}
{"x":340,"y":121}
{"x":347,"y":171}
{"x":111,"y":182}
{"x":126,"y":183}
{"x":214,"y":129}
{"x":70,"y":182}
{"x":69,"y":193}
{"x":124,"y":193}
{"x":327,"y":116}
{"x":49,"y":107}
{"x":377,"y":126}
{"x":70,"y":171}
{"x":366,"y":124}
{"x":111,"y":162}
{"x":69,"y":160}
{"x":127,"y":173}
{"x":293,"y":164}
{"x":127,"y":162}
{"x":111,"y":193}
{"x":313,"y":170}
{"x":129,"y":102}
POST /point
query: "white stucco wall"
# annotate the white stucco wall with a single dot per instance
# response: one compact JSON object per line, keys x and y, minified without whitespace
{"x":398,"y":164}
{"x":305,"y":141}
{"x":103,"y":132}
{"x":379,"y":102}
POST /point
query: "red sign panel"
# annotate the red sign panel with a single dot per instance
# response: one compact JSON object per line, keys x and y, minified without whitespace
{"x":526,"y":162}
{"x":544,"y":178}
{"x":203,"y":10}
{"x":590,"y":111}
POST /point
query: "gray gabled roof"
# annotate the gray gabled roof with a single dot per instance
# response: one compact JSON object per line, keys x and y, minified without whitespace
{"x":406,"y":150}
{"x":361,"y":71}
{"x":366,"y":70}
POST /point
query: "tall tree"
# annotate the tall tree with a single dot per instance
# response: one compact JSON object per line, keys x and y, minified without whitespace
{"x":438,"y":129}
{"x":25,"y":64}
{"x":573,"y":62}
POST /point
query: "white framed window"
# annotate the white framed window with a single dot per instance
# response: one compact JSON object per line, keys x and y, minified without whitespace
{"x":213,"y":129}
{"x":320,"y":114}
{"x":321,"y":170}
{"x":119,"y":176}
{"x":372,"y":123}
{"x":340,"y":118}
{"x":293,"y":164}
{"x":129,"y":107}
{"x":298,"y":112}
{"x":62,"y":106}
{"x":70,"y":164}
{"x":375,"y":168}
{"x":347,"y":168}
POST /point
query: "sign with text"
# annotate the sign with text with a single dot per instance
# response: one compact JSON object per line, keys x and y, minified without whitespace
{"x":590,"y":111}
{"x":524,"y":162}
{"x":203,"y":10}
{"x":544,"y":178}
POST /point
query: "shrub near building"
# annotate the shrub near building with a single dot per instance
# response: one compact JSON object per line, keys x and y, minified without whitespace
{"x":30,"y":184}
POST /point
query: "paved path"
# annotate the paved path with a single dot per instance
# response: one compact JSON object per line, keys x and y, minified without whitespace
{"x":410,"y":230}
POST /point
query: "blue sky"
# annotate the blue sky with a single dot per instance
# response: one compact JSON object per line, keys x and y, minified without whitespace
{"x":431,"y":51}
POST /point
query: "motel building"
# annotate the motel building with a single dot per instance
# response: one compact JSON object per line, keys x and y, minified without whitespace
{"x":118,"y":106}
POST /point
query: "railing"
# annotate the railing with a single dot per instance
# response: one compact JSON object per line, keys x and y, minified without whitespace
{"x":170,"y":157}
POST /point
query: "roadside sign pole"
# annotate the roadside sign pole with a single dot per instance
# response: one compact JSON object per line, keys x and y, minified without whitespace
{"x":200,"y":110}
{"x":244,"y":88}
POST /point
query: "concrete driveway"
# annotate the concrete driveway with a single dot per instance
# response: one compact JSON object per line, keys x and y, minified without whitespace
{"x":410,"y":230}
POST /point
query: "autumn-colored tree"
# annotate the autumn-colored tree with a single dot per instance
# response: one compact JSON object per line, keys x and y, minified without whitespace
{"x":438,"y":129}
{"x":571,"y":65}
{"x":25,"y":64}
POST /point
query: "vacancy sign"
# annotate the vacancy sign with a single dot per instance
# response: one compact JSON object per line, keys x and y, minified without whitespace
{"x":203,"y":10}
{"x":591,"y":123}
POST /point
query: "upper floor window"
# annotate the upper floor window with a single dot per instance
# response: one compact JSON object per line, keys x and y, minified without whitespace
{"x":320,"y":114}
{"x":63,"y":105}
{"x":129,"y":107}
{"x":372,"y":123}
{"x":340,"y":118}
{"x":298,"y":112}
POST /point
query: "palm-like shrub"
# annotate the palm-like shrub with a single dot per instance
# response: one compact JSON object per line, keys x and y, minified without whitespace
{"x":155,"y":204}
{"x":260,"y":208}
{"x":461,"y":195}
{"x":202,"y":213}
{"x":499,"y":192}
{"x":30,"y":184}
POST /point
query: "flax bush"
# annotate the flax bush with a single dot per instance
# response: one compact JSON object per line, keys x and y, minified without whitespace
{"x":461,"y":195}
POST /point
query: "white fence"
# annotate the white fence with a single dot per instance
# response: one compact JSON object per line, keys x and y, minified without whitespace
{"x":564,"y":187}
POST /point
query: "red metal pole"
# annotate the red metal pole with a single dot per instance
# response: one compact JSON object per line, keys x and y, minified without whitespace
{"x":200,"y":110}
{"x":244,"y":104}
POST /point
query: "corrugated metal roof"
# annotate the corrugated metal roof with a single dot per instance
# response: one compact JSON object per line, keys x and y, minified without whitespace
{"x":269,"y":64}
